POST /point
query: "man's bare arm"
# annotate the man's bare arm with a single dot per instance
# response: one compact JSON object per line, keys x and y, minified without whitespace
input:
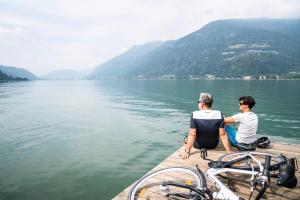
{"x":189,"y":144}
{"x":191,"y":139}
{"x":225,"y":140}
{"x":228,"y":120}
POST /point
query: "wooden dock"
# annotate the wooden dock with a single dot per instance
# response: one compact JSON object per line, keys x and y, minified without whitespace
{"x":274,"y":192}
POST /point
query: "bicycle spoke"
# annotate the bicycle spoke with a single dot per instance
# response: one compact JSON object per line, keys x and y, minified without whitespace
{"x":153,"y":185}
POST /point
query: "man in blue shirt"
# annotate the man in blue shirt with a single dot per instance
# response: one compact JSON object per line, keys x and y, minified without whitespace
{"x":206,"y":127}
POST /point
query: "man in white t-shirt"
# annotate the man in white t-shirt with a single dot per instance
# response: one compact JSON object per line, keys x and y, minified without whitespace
{"x":247,"y":122}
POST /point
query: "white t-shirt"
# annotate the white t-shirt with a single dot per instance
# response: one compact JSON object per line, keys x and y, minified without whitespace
{"x":247,"y":123}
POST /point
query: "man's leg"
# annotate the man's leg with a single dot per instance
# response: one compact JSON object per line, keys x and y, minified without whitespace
{"x":231,"y":135}
{"x":195,"y":145}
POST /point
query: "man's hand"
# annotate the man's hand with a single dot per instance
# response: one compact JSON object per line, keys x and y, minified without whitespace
{"x":184,"y":155}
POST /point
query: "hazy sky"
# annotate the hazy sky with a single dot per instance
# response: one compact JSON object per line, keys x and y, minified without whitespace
{"x":46,"y":35}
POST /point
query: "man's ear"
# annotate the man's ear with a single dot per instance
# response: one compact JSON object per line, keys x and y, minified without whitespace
{"x":199,"y":106}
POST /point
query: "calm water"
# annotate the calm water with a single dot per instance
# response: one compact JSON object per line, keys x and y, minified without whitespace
{"x":90,"y":139}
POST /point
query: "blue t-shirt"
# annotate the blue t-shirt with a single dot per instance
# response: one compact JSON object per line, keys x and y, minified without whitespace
{"x":207,"y":123}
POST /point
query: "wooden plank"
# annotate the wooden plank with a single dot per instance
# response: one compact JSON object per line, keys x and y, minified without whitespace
{"x":274,"y":192}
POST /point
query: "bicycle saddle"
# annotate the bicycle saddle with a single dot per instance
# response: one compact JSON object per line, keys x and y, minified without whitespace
{"x":287,"y":176}
{"x":215,"y":164}
{"x":218,"y":164}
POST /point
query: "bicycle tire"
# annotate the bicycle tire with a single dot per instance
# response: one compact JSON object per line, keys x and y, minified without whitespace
{"x":238,"y":163}
{"x":156,"y":178}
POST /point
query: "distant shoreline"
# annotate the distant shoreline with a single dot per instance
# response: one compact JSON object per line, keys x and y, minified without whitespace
{"x":175,"y":79}
{"x":14,"y":80}
{"x":127,"y":78}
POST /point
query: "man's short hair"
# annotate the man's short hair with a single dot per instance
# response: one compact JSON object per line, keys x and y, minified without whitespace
{"x":247,"y":100}
{"x":206,"y":99}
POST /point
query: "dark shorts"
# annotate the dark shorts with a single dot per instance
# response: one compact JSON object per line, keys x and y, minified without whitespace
{"x":200,"y":146}
{"x":246,"y":147}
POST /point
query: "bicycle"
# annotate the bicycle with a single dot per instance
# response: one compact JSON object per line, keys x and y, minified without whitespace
{"x":188,"y":183}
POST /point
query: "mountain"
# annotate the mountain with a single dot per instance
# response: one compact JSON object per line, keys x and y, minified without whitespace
{"x":17,"y":73}
{"x":5,"y":77}
{"x":67,"y":74}
{"x":223,"y":48}
{"x":122,"y":63}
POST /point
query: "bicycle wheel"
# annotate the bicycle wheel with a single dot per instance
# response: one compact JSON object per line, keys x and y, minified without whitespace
{"x":151,"y":186}
{"x":245,"y":160}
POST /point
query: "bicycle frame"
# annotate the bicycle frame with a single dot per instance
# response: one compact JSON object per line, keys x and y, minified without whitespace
{"x":224,"y":192}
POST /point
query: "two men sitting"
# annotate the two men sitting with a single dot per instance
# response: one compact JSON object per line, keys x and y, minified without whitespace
{"x":207,"y":126}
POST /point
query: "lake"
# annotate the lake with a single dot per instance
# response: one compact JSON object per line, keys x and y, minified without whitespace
{"x":91,"y":139}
